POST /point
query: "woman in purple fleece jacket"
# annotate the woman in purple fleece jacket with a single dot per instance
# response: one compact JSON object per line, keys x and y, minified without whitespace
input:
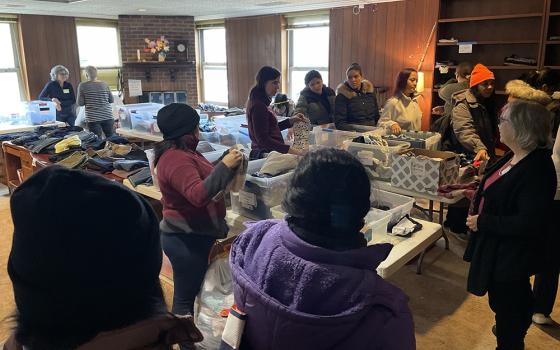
{"x":309,"y":281}
{"x":264,"y":129}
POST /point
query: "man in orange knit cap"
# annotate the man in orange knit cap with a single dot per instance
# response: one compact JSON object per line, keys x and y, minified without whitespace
{"x":474,"y":117}
{"x":475,"y":128}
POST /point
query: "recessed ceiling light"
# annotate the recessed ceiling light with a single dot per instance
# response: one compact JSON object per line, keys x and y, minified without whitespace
{"x":142,"y":10}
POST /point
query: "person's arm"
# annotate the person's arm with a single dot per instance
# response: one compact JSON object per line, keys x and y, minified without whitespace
{"x":341,"y":113}
{"x":533,"y":205}
{"x":45,"y":94}
{"x":110,"y":98}
{"x":184,"y":178}
{"x":556,"y":160}
{"x":260,"y":121}
{"x":464,"y":129}
{"x":301,"y":106}
{"x":375,"y":112}
{"x":389,"y":114}
{"x":81,"y":97}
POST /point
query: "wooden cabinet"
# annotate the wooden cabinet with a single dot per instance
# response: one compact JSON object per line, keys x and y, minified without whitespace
{"x":18,"y":164}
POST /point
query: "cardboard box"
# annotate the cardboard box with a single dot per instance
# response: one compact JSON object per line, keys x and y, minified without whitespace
{"x":424,"y":171}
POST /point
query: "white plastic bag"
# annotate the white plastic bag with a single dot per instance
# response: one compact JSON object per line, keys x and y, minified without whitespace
{"x":215,"y":295}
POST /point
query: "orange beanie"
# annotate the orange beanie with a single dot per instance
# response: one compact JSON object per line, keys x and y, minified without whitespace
{"x":479,"y":74}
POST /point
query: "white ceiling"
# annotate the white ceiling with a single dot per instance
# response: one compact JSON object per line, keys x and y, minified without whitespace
{"x":200,"y":9}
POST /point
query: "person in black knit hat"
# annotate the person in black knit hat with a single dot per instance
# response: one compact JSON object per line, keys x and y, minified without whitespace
{"x":192,"y":192}
{"x":76,"y":274}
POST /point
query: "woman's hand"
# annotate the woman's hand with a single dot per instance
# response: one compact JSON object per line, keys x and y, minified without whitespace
{"x":233,"y":159}
{"x":57,"y":103}
{"x":298,"y":118}
{"x":472,"y":222}
{"x":396,"y":129}
{"x":296,"y":151}
{"x":482,"y":155}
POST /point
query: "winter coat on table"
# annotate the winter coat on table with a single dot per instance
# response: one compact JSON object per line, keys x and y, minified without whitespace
{"x":154,"y":334}
{"x":300,"y":296}
{"x":264,"y":129}
{"x":355,"y":106}
{"x":402,"y":110}
{"x":447,"y":91}
{"x":474,"y":126}
{"x":192,"y":192}
{"x":511,"y":238}
{"x":319,"y":109}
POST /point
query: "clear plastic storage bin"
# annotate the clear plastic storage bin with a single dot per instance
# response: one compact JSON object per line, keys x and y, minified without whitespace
{"x":332,"y":137}
{"x":376,"y":222}
{"x":398,"y":206}
{"x":145,"y":110}
{"x":40,"y":112}
{"x":214,"y":154}
{"x":419,"y":139}
{"x":259,"y":195}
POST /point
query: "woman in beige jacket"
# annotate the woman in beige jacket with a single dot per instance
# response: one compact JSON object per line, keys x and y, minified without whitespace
{"x":402,"y":110}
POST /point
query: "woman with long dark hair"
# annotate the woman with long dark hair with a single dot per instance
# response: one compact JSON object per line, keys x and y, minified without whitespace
{"x":192,"y":196}
{"x":316,"y":101}
{"x":402,"y":110}
{"x":264,"y":128}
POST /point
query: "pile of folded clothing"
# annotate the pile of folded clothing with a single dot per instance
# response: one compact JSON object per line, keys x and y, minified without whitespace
{"x":515,"y":60}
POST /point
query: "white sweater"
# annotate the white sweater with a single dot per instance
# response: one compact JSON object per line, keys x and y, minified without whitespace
{"x":402,"y":110}
{"x":556,"y":160}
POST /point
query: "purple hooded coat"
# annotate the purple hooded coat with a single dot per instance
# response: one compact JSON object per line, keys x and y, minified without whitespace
{"x":300,"y":296}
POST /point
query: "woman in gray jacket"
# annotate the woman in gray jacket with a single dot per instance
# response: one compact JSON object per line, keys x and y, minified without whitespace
{"x":316,"y":101}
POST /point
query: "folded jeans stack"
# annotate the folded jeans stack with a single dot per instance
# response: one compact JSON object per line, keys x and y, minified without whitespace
{"x":143,"y":176}
{"x":129,"y":165}
{"x":65,"y":144}
{"x":75,"y":161}
{"x":100,"y":164}
{"x":41,"y":145}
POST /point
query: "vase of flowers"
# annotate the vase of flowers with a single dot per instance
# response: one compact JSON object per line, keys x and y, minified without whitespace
{"x":159,"y":48}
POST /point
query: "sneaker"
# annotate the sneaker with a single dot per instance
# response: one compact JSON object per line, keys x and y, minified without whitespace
{"x":542,"y":319}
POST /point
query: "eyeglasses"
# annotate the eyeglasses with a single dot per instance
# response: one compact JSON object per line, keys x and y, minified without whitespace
{"x":501,"y":120}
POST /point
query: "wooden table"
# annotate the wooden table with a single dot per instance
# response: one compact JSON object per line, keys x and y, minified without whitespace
{"x":129,"y":133}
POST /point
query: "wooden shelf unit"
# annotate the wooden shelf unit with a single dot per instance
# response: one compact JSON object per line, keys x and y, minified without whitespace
{"x":171,"y":66}
{"x":497,"y":29}
{"x":495,"y":42}
{"x":489,"y":18}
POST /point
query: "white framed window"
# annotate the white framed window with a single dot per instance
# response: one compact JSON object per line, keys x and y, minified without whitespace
{"x":308,"y":48}
{"x":99,"y":46}
{"x":213,"y":65}
{"x":11,"y":83}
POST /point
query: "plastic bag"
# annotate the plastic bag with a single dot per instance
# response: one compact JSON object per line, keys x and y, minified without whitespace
{"x":216,"y":295}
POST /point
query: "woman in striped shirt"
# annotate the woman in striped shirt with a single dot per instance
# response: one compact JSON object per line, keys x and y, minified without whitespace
{"x":96,"y":96}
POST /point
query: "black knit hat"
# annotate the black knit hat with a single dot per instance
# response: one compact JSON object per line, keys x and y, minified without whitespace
{"x":176,"y":120}
{"x":86,"y":252}
{"x":312,"y":74}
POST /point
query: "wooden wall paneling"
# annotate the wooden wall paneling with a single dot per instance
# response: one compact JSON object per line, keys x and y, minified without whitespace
{"x":48,"y":41}
{"x":251,"y":42}
{"x":395,"y":35}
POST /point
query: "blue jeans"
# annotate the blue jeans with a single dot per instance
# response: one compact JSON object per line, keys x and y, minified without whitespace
{"x":188,"y":254}
{"x":102,"y":127}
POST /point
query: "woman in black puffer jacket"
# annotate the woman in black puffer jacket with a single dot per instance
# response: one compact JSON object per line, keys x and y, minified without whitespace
{"x":356,"y":101}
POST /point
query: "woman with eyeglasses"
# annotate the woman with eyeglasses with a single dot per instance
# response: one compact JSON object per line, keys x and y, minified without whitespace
{"x":61,"y":92}
{"x":509,"y":220}
{"x":474,"y":116}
